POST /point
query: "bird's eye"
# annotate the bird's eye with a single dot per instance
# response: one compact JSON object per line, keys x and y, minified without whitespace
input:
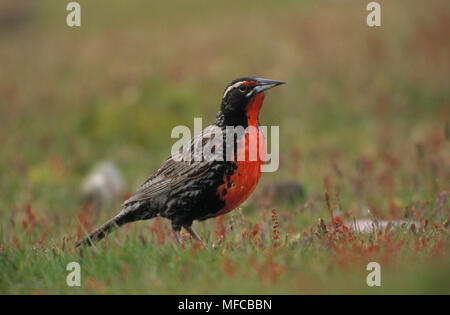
{"x":243,"y":88}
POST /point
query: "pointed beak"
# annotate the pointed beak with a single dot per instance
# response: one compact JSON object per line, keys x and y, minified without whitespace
{"x":265,"y":84}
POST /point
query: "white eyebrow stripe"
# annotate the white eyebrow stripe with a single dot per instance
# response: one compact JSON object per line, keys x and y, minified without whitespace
{"x":232,"y":87}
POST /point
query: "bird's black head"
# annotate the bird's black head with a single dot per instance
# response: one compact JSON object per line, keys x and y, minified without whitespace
{"x":238,"y":97}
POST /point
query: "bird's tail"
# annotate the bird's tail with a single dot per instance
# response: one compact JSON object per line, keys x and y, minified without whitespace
{"x":104,"y":229}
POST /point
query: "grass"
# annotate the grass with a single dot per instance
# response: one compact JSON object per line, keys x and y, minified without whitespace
{"x":363,"y":126}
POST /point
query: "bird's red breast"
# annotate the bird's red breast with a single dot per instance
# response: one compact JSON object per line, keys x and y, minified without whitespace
{"x":239,"y":186}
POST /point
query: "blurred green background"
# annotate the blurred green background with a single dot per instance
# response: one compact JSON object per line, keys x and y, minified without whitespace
{"x":365,"y":113}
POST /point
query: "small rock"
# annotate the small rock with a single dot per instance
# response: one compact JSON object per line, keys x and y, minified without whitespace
{"x":281,"y":192}
{"x":102,"y":184}
{"x":366,"y":225}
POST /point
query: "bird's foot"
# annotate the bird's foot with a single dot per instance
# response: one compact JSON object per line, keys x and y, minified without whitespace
{"x":178,"y":236}
{"x":194,"y":235}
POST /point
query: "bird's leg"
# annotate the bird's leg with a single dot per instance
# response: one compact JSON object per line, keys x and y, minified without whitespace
{"x":176,"y":232}
{"x":194,"y":234}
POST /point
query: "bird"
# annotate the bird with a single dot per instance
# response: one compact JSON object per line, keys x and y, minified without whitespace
{"x":184,"y":188}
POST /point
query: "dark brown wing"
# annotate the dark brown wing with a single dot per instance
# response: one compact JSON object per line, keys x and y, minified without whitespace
{"x":175,"y":171}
